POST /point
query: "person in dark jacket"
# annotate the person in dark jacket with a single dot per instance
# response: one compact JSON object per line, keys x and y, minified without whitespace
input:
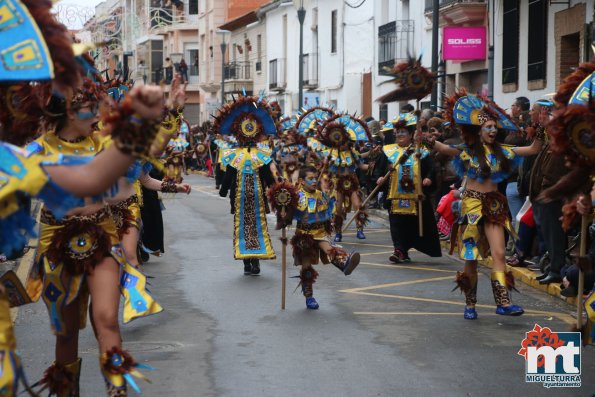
{"x":548,"y":169}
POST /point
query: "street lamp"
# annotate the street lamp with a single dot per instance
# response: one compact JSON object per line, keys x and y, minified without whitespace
{"x":224,"y":36}
{"x":301,"y":11}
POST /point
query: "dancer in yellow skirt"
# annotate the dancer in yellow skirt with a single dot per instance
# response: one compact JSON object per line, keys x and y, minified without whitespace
{"x":485,"y":163}
{"x":81,"y":256}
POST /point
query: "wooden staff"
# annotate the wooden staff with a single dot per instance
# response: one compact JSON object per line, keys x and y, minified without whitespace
{"x":418,"y":185}
{"x":581,"y":274}
{"x":367,"y":199}
{"x":283,"y":259}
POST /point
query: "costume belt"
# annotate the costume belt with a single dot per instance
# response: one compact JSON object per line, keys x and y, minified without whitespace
{"x":48,"y":218}
{"x":125,"y":203}
{"x":309,"y":227}
{"x":473,"y":194}
{"x":126,"y":214}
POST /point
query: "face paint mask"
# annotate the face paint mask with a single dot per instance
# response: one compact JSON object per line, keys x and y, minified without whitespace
{"x":401,"y":133}
{"x":311,"y":182}
{"x":489,"y":129}
{"x":85,"y":115}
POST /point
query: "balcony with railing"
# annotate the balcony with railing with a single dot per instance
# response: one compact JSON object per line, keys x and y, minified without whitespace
{"x":238,"y":77}
{"x":277,"y":75}
{"x":310,"y":62}
{"x":165,"y":19}
{"x":395,"y":42}
{"x":457,"y":12}
{"x":238,"y":71}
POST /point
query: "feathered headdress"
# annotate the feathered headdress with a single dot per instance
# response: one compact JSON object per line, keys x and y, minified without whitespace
{"x":405,"y":120}
{"x":569,"y":87}
{"x":309,"y":121}
{"x":413,"y":80}
{"x":287,"y":129}
{"x":249,"y":119}
{"x":276,"y":109}
{"x":472,"y":110}
{"x":342,"y":129}
{"x":287,"y":124}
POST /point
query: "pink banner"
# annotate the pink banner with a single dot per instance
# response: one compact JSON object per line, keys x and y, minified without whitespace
{"x":464,"y":43}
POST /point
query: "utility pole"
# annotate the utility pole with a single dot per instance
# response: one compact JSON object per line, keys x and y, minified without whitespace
{"x":435,"y":26}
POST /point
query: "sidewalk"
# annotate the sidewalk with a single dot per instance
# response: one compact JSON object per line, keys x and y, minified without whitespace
{"x":521,"y":274}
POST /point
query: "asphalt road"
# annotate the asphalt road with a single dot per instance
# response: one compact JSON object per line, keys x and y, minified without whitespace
{"x":386,"y":330}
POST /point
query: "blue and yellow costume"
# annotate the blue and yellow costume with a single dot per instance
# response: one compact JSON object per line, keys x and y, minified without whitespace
{"x":70,"y":247}
{"x":478,"y":206}
{"x":338,"y":135}
{"x":174,"y":162}
{"x":250,"y":121}
{"x":402,"y":199}
{"x":314,"y":214}
{"x":483,"y":207}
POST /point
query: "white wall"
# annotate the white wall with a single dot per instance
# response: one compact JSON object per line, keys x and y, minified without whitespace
{"x":340,"y":73}
{"x":506,"y":99}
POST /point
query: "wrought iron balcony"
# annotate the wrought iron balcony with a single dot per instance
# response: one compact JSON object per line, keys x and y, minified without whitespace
{"x":238,"y":71}
{"x":395,"y":42}
{"x":310,"y":62}
{"x":277,"y":76}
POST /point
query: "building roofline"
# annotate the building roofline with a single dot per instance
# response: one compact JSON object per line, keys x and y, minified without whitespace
{"x":240,"y":21}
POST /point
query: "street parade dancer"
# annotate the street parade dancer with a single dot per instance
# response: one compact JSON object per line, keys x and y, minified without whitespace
{"x":176,"y":152}
{"x":125,"y":206}
{"x":250,"y":121}
{"x":401,"y":193}
{"x":81,"y":255}
{"x":312,"y":241}
{"x":291,"y":150}
{"x":339,"y":135}
{"x":222,"y":143}
{"x":485,"y":163}
{"x":53,"y":178}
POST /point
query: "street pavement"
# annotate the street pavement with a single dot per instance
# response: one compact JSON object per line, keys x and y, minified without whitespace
{"x":386,"y":330}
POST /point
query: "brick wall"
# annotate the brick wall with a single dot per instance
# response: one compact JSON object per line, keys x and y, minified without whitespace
{"x":568,"y":22}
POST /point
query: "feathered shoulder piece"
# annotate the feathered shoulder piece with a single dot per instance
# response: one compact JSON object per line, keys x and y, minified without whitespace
{"x":413,"y":81}
{"x":585,"y":92}
{"x":573,"y":134}
{"x":581,"y":77}
{"x":249,"y":119}
{"x":341,"y":129}
{"x":308,"y":122}
{"x":36,"y":45}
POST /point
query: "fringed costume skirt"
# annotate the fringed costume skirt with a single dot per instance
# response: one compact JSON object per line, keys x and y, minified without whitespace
{"x":477,"y":209}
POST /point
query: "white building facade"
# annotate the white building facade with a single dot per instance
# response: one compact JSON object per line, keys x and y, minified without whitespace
{"x":538,"y":43}
{"x":338,"y":53}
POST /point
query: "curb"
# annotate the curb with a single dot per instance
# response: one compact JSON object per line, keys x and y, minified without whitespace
{"x":521,"y":274}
